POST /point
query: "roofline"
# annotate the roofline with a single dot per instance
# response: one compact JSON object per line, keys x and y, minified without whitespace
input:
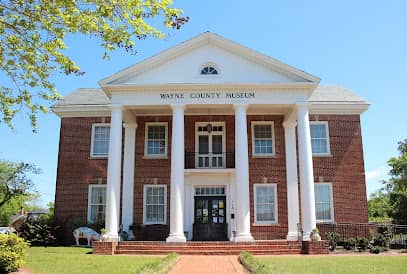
{"x":198,"y":41}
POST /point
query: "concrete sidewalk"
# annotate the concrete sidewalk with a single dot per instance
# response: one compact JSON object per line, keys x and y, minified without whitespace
{"x":201,"y":264}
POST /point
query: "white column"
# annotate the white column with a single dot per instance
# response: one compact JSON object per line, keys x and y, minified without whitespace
{"x":177,"y":176}
{"x":242,"y":177}
{"x":128,"y":176}
{"x":306,"y":172}
{"x":293,"y":210}
{"x":114,"y":174}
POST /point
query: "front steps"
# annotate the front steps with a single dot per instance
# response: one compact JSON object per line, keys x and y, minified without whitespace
{"x":272,"y":247}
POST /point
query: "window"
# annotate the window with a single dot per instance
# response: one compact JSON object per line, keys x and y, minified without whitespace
{"x":96,"y":203}
{"x":156,"y":139}
{"x":320,"y":138}
{"x":155,"y":204}
{"x":323,"y":202}
{"x":263,"y":138}
{"x":100,"y":140}
{"x":209,"y":70}
{"x":265,"y":203}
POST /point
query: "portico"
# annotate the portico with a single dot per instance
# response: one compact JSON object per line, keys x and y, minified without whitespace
{"x":235,"y":178}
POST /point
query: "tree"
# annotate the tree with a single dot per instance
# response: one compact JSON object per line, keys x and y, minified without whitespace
{"x":32,"y":34}
{"x":379,"y":207}
{"x":396,"y":186}
{"x":14,"y":180}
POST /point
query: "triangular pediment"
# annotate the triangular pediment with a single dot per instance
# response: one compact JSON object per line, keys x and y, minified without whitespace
{"x":183,"y":63}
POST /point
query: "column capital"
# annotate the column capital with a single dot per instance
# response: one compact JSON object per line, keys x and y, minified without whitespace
{"x":240,"y":107}
{"x":289,"y":124}
{"x":178,"y":107}
{"x":302,"y":105}
{"x":130,"y":125}
{"x":114,"y":107}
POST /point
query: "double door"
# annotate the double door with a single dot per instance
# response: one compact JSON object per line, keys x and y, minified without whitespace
{"x":210,"y":218}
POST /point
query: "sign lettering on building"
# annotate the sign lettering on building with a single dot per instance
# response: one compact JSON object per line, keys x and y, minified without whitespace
{"x":207,"y":95}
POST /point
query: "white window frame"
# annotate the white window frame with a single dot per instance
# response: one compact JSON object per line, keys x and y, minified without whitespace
{"x":254,"y":154}
{"x":154,"y":156}
{"x":91,"y":186}
{"x":92,"y":140}
{"x":328,"y":144}
{"x":275,"y":203}
{"x":332,"y":204}
{"x":145,"y":204}
{"x":220,"y":133}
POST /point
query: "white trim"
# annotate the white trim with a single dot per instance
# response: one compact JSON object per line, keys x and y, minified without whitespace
{"x":260,"y":155}
{"x":91,"y":186}
{"x":155,"y":156}
{"x":145,"y":204}
{"x":221,"y":133}
{"x":332,"y":203}
{"x":94,"y":125}
{"x":256,"y":222}
{"x":328,"y":143}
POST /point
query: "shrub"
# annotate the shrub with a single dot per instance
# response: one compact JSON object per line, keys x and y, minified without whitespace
{"x":381,"y":240}
{"x":350,"y":244}
{"x":39,"y":231}
{"x":333,"y":239}
{"x":252,"y":264}
{"x":362,"y":244}
{"x":375,"y":249}
{"x":12,"y":251}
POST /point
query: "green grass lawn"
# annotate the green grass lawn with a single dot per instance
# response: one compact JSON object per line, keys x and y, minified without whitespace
{"x":336,"y":264}
{"x":74,"y":260}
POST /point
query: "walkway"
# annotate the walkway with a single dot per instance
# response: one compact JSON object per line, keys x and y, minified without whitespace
{"x":197,"y":264}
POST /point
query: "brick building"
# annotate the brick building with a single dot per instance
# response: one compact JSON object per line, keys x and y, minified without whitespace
{"x":210,"y":140}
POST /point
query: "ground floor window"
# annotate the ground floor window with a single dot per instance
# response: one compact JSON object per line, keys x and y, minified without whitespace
{"x":155,"y":204}
{"x":323,"y":202}
{"x":265,"y":203}
{"x":96,"y":203}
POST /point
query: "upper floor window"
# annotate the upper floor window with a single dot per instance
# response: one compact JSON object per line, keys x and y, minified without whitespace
{"x":265,"y":203}
{"x":323,"y":202}
{"x":156,"y":139}
{"x":263,"y":138}
{"x":100,"y":140}
{"x":209,"y":70}
{"x":96,"y":203}
{"x":320,"y":138}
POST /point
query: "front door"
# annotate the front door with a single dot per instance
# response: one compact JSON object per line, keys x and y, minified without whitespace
{"x":210,"y":218}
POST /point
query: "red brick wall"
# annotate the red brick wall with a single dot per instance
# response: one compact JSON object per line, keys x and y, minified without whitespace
{"x":344,"y":168}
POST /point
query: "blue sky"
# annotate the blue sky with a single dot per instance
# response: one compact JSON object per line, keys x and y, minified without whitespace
{"x":361,"y":45}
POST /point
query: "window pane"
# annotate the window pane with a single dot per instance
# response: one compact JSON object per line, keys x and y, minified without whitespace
{"x":263,"y":139}
{"x":156,"y":142}
{"x":323,"y":202}
{"x":155,"y":204}
{"x":265,"y":204}
{"x":101,"y":140}
{"x":97,"y":203}
{"x":319,"y":138}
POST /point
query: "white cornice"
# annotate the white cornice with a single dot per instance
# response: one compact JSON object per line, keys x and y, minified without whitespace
{"x":81,"y":111}
{"x":210,"y":87}
{"x":338,"y":108}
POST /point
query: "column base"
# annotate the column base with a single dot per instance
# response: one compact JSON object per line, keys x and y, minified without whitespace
{"x":306,"y":236}
{"x":110,"y":237}
{"x":293,"y":236}
{"x":176,"y":238}
{"x":243,"y":238}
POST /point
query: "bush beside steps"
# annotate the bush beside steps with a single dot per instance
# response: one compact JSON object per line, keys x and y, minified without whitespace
{"x":12,"y":252}
{"x":252,"y":264}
